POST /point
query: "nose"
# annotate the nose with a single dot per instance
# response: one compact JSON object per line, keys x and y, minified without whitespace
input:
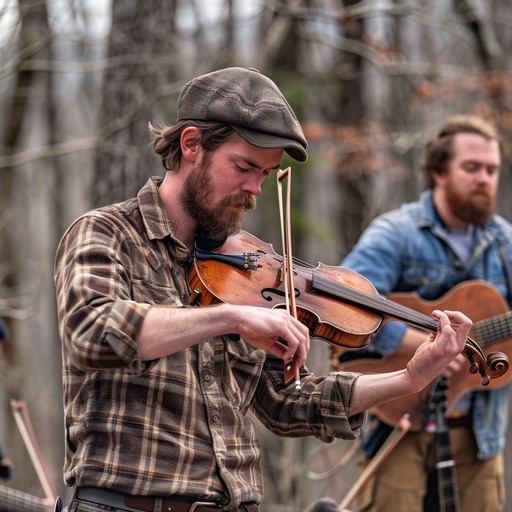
{"x":252,"y":186}
{"x":483,"y":175}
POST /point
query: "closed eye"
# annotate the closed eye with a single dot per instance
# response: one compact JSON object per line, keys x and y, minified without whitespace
{"x":239,"y":168}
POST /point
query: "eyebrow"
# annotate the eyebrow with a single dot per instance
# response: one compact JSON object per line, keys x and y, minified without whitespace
{"x":250,"y":163}
{"x":476,"y":161}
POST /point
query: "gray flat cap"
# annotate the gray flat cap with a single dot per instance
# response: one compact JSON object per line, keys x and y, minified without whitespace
{"x":248,"y":101}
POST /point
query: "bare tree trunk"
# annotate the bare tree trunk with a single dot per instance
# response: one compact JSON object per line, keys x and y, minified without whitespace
{"x":354,"y":184}
{"x":32,"y":40}
{"x":143,"y":42}
{"x":33,"y":373}
{"x":496,"y":79}
{"x":487,"y":43}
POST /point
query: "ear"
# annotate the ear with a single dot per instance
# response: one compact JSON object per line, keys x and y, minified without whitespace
{"x":191,"y":149}
{"x":439,"y":178}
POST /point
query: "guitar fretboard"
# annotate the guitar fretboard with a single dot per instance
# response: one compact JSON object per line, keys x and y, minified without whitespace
{"x":494,"y":329}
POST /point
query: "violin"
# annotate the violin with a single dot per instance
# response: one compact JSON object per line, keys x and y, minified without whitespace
{"x":337,"y":304}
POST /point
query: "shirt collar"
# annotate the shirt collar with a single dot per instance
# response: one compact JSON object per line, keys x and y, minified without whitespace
{"x":428,"y":217}
{"x":152,"y":210}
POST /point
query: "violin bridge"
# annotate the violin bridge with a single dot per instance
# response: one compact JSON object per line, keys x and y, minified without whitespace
{"x":281,"y":273}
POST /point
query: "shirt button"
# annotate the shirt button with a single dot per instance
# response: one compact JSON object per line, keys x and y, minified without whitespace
{"x":216,"y":418}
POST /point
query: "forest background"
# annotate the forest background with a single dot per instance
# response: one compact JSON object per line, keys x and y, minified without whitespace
{"x":371,"y":81}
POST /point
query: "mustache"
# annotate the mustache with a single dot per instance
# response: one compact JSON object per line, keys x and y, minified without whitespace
{"x":483,"y":192}
{"x":247,"y":201}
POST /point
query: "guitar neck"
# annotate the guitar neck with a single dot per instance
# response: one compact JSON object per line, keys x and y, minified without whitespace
{"x":446,"y":478}
{"x":12,"y":500}
{"x":447,"y":491}
{"x":493,"y":329}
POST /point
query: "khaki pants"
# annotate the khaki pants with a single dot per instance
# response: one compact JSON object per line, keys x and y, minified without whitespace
{"x":400,"y":482}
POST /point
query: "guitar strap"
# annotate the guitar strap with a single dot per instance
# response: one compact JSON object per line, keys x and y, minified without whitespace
{"x":502,"y":249}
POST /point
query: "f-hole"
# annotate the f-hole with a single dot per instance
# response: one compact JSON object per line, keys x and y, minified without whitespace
{"x":268,"y":293}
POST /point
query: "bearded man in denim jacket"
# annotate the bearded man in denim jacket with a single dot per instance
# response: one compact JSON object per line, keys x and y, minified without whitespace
{"x":451,"y":234}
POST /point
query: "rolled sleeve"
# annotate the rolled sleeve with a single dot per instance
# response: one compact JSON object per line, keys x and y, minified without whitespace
{"x":322,"y":407}
{"x":121,"y":331}
{"x":335,"y":405}
{"x":99,"y":318}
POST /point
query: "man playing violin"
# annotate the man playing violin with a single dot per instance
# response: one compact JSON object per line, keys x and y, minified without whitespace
{"x":156,"y":391}
{"x":451,"y":234}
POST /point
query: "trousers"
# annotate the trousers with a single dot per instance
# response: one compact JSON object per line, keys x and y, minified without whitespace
{"x":400,"y":483}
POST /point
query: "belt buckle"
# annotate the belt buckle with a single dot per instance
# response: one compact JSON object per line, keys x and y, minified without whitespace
{"x":197,"y":504}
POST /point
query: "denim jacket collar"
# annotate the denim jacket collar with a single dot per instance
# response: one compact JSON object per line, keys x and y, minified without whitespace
{"x":429,"y":218}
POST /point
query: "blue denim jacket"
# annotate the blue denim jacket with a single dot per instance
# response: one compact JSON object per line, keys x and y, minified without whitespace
{"x":408,"y":250}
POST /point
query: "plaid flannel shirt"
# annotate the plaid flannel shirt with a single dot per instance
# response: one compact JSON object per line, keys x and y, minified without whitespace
{"x":176,"y":425}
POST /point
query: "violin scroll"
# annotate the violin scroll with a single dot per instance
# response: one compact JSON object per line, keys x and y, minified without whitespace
{"x":498,"y":364}
{"x":492,"y":366}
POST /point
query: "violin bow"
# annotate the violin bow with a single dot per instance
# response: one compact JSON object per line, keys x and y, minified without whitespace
{"x":391,"y":441}
{"x":291,"y":370}
{"x":21,"y":415}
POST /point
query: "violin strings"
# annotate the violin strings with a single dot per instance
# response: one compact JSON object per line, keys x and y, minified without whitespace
{"x":368,"y":300}
{"x":398,"y":308}
{"x":302,"y":263}
{"x":421,"y":320}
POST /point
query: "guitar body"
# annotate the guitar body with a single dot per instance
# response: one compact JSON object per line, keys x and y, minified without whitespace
{"x":492,"y":330}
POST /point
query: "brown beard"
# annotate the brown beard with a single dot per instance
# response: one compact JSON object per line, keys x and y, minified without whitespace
{"x":475,"y":209}
{"x":217,"y":221}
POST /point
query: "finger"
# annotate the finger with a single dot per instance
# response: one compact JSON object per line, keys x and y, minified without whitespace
{"x":459,"y":319}
{"x":465,"y":323}
{"x":453,"y":320}
{"x":288,"y":348}
{"x":301,"y":334}
{"x":280,"y":349}
{"x":293,"y":351}
{"x":442,"y":317}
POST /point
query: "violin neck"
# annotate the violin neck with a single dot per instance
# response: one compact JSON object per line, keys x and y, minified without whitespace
{"x":373,"y":303}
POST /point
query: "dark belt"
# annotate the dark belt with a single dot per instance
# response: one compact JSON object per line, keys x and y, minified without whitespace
{"x":147,"y":503}
{"x":459,"y":421}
